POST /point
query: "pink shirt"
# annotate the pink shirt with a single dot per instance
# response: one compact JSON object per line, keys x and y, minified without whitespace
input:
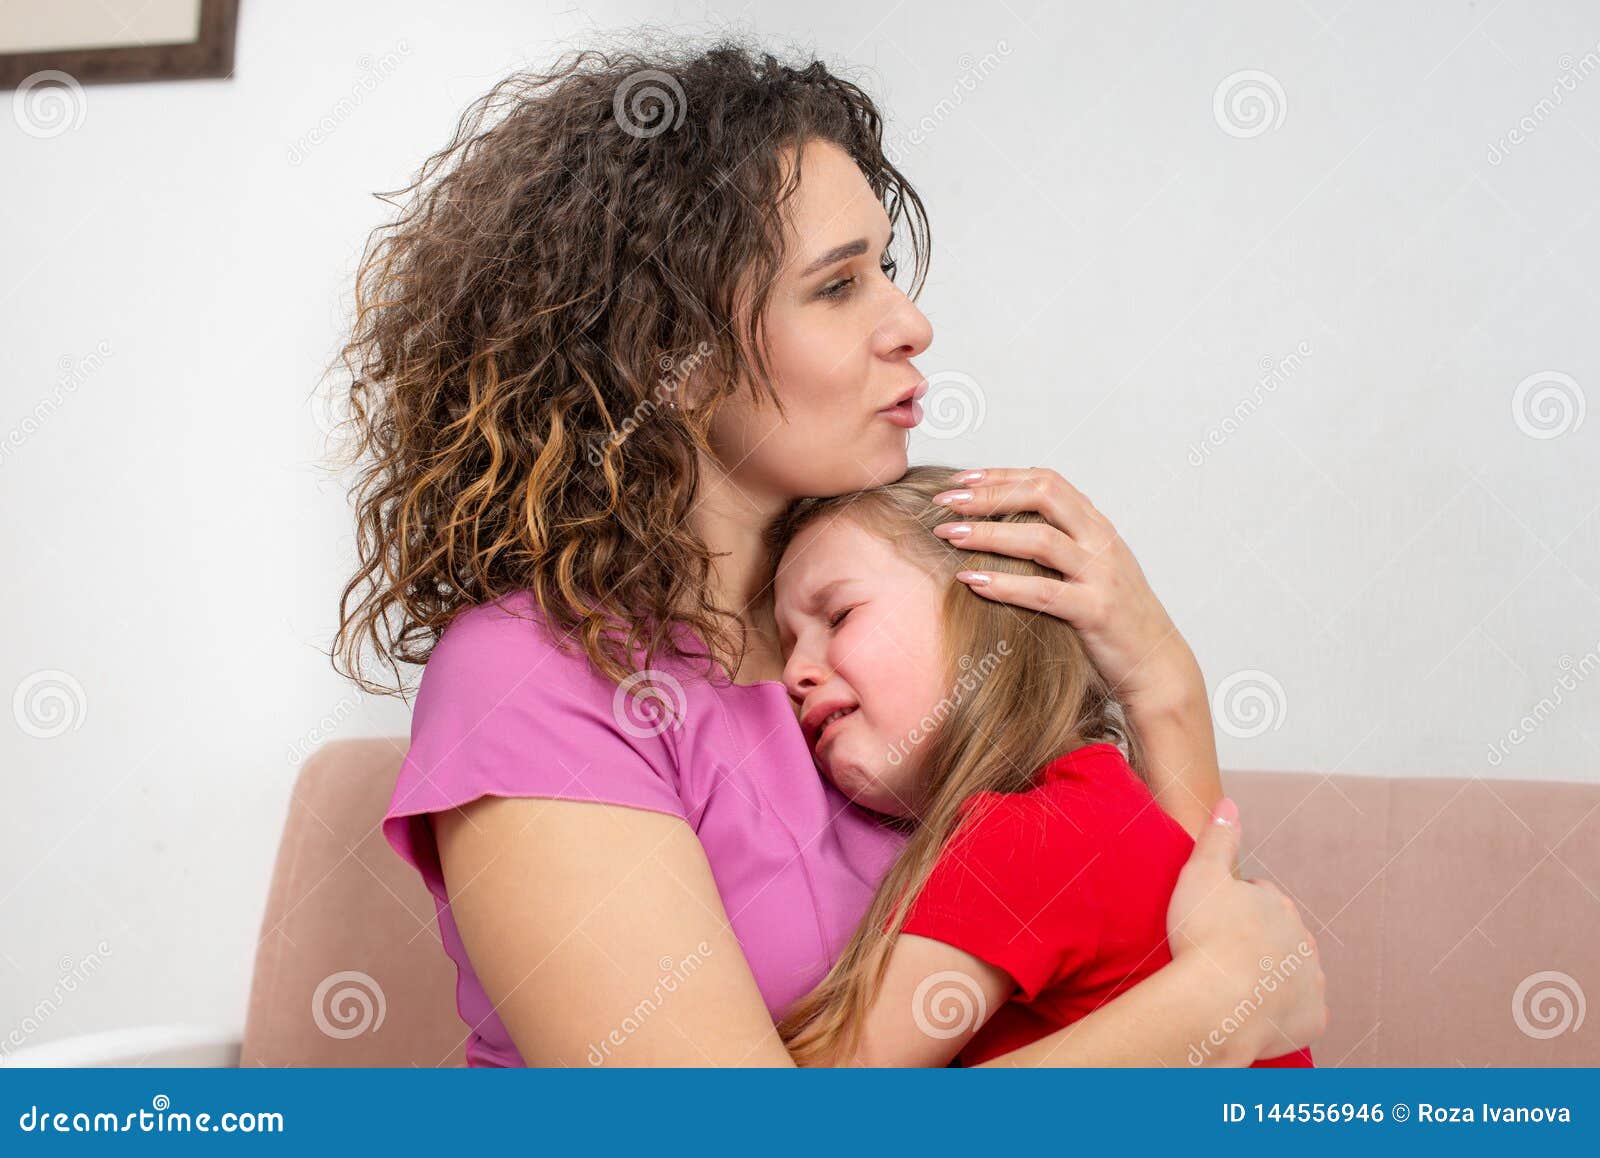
{"x":501,"y":711}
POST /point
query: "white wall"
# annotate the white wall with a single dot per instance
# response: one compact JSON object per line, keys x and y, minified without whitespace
{"x":1381,"y":535}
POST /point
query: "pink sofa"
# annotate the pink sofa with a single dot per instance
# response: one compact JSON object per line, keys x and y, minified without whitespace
{"x":1459,"y":919}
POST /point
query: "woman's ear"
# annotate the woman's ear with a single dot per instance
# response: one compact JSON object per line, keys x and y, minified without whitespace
{"x":685,"y":386}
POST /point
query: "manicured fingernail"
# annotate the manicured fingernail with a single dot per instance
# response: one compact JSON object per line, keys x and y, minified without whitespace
{"x":1226,"y":812}
{"x":953,"y":530}
{"x":975,"y":578}
{"x":967,"y":476}
{"x":950,"y":497}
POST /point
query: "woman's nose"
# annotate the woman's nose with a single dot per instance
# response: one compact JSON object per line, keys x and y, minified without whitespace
{"x":906,"y":327}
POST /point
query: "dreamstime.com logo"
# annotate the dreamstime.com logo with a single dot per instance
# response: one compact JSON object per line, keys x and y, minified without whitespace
{"x":1249,"y":703}
{"x":1548,"y":1004}
{"x":674,"y":372}
{"x":324,"y":728}
{"x":954,"y":405}
{"x":897,"y":146}
{"x":648,"y":103}
{"x":73,"y":373}
{"x":348,"y":1004}
{"x":373,"y":72}
{"x":48,"y":104}
{"x":73,"y":974}
{"x":648,"y":703}
{"x":1573,"y":71}
{"x":1548,"y":404}
{"x":972,"y":675}
{"x":673,"y":974}
{"x":947,"y":1004}
{"x":160,"y":1118}
{"x":1248,"y":103}
{"x":1272,"y":974}
{"x":48,"y":704}
{"x":1273,"y":375}
{"x":1573,"y":673}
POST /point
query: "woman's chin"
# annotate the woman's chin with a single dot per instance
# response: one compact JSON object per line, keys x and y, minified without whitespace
{"x":885,"y":463}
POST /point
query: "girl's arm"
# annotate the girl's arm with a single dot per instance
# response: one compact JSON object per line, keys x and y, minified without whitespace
{"x":1105,"y":595}
{"x":935,"y":997}
{"x":1209,"y":1006}
{"x":933,"y":1000}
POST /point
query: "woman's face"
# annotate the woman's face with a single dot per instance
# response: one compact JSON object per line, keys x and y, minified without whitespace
{"x":861,"y":629}
{"x":840,"y":338}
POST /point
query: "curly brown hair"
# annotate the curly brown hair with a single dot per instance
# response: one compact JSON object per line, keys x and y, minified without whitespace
{"x":592,"y":238}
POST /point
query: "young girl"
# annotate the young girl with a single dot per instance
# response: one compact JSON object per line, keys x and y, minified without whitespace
{"x":1035,"y":882}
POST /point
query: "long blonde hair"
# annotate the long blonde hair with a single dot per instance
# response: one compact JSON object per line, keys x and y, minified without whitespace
{"x":1003,"y":720}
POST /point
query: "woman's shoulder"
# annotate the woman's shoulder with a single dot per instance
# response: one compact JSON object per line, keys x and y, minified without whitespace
{"x":507,"y":633}
{"x":508,"y":707}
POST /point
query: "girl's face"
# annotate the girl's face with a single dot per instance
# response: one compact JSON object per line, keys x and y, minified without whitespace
{"x":840,"y":337}
{"x":861,"y":630}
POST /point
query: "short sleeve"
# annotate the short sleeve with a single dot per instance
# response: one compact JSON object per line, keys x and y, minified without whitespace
{"x":503,"y":711}
{"x":1013,"y":888}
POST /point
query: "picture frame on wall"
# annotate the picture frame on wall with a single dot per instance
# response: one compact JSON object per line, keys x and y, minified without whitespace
{"x":116,"y":41}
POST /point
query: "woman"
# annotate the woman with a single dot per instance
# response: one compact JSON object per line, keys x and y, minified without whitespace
{"x":634,"y":318}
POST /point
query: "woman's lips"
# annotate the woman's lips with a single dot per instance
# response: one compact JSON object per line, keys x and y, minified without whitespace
{"x":906,"y":414}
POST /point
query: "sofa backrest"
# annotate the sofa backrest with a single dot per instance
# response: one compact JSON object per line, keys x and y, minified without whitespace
{"x":1459,"y":919}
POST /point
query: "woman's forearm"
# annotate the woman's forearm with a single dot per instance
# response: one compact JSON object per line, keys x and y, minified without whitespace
{"x":1164,"y":1020}
{"x":1180,"y":748}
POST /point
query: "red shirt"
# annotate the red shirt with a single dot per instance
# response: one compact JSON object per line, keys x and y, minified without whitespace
{"x":1065,"y":887}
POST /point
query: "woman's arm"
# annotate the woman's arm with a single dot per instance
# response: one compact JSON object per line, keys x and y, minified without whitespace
{"x":1177,"y":740}
{"x":573,"y":913}
{"x":1105,"y":595}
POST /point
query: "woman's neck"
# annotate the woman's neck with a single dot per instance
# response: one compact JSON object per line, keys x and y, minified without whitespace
{"x":731,"y":521}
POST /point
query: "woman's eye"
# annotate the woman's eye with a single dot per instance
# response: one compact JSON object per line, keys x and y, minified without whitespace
{"x":838,"y":617}
{"x":837,"y":289}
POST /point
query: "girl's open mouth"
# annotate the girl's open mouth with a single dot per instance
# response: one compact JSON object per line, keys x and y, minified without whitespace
{"x":828,"y":724}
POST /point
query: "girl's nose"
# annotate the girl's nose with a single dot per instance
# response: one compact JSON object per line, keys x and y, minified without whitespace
{"x":800,"y":675}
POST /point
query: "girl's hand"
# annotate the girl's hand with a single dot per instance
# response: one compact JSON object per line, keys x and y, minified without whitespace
{"x":1105,"y":595}
{"x":1247,"y":941}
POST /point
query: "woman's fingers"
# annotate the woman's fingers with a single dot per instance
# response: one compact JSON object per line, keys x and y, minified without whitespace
{"x":1037,"y":541}
{"x":1066,"y":601}
{"x":1003,"y":490}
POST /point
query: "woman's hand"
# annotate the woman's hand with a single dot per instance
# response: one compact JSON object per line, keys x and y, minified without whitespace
{"x":1247,"y":939}
{"x":1104,"y":594}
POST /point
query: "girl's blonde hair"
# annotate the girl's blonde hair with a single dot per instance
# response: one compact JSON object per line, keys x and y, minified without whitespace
{"x":1023,"y":692}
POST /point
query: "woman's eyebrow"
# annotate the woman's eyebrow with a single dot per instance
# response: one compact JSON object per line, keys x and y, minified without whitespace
{"x":838,"y":253}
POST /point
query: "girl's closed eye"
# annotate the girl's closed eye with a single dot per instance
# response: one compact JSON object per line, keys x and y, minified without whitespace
{"x":838,"y":616}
